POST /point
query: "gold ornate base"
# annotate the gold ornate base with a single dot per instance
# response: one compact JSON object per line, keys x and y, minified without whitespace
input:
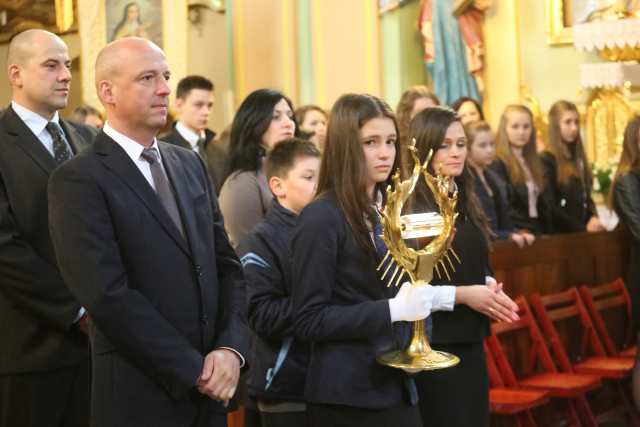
{"x":421,"y":362}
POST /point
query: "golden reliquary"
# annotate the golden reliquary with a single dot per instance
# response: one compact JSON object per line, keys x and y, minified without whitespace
{"x":436,"y":231}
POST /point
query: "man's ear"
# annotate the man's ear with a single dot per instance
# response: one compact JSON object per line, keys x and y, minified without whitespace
{"x":106,"y":92}
{"x":277,"y":186}
{"x":179,"y":104}
{"x":14,"y":75}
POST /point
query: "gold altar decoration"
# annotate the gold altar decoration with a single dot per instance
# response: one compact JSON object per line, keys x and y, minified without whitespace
{"x":437,"y":229}
{"x":608,"y":113}
{"x":620,"y":54}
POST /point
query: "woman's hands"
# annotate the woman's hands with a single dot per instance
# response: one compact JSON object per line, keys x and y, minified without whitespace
{"x":489,"y":300}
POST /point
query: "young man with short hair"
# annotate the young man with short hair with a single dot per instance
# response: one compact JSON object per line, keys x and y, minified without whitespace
{"x":194,"y":103}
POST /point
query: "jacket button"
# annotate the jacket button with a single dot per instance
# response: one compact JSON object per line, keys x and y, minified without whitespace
{"x":198,"y":270}
{"x":204,"y":319}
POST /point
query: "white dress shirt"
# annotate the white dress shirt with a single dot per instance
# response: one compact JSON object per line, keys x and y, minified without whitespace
{"x":37,"y":124}
{"x":134,"y":151}
{"x":191,"y":137}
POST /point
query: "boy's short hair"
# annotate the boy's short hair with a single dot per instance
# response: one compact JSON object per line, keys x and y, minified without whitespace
{"x":189,"y":83}
{"x":283,"y":157}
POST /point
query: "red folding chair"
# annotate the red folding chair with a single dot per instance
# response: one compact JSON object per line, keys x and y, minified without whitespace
{"x":607,"y":297}
{"x":591,"y":357}
{"x":517,"y":402}
{"x":540,"y":372}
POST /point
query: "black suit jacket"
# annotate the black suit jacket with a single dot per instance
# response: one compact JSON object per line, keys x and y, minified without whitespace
{"x":160,"y":301}
{"x":571,"y":203}
{"x":626,"y":190}
{"x":216,"y":156}
{"x":518,"y":199}
{"x":36,"y":308}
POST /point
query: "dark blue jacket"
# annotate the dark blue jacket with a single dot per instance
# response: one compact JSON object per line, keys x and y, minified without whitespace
{"x":267,"y":266}
{"x":342,"y":307}
{"x":495,"y":207}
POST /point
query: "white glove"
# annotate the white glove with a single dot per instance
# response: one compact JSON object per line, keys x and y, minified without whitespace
{"x":411,"y":303}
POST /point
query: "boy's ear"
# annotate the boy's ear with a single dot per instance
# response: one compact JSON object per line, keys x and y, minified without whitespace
{"x":277,"y":186}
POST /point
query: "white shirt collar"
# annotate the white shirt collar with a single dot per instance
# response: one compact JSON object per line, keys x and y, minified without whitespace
{"x":131,"y":147}
{"x":34,"y":121}
{"x":188,"y":134}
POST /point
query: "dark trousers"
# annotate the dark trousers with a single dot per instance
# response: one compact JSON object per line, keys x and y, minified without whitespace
{"x":283,"y":419}
{"x":347,"y":416}
{"x":57,"y":398}
{"x":458,"y":396}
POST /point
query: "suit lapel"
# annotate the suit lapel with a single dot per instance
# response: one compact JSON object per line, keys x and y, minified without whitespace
{"x":117,"y":160}
{"x":176,"y":173}
{"x":27,"y":141}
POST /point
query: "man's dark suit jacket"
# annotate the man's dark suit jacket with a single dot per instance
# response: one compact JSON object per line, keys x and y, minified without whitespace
{"x":37,"y":310}
{"x":216,"y":156}
{"x":159,"y":301}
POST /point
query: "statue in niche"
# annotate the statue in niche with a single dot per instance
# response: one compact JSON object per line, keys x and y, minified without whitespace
{"x":454,"y":47}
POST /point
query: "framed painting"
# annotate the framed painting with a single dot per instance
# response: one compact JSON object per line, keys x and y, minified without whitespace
{"x":141,"y":18}
{"x":18,"y":15}
{"x":559,"y":20}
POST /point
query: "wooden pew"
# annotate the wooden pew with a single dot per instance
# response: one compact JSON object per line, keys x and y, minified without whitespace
{"x":553,"y":264}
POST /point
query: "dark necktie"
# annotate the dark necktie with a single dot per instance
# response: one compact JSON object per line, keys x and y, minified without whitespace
{"x":163,"y":188}
{"x":61,"y":150}
{"x":201,"y":150}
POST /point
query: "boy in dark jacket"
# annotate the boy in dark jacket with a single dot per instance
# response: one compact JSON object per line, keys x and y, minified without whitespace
{"x":278,"y":361}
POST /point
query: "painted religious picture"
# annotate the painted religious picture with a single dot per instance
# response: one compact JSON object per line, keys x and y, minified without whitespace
{"x":141,"y":18}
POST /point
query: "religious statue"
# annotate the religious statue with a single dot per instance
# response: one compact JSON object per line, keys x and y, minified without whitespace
{"x":454,"y":47}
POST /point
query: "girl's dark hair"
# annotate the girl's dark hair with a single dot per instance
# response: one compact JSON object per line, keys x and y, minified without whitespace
{"x":429,"y":128}
{"x":630,"y":157}
{"x":343,"y":169}
{"x":568,"y":159}
{"x":249,"y":124}
{"x":458,"y":103}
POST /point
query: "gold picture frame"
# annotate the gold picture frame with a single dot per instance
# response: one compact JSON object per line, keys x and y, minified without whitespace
{"x":556,"y":28}
{"x":18,"y":15}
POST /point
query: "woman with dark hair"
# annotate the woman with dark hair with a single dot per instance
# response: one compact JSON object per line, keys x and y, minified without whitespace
{"x":625,"y":199}
{"x":468,"y":109}
{"x":519,"y":165}
{"x":264,"y":119}
{"x":567,"y":173}
{"x":458,"y":396}
{"x":341,"y":306}
{"x":312,"y":122}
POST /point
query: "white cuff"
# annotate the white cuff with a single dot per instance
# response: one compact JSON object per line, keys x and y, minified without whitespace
{"x":489,"y":280}
{"x":237,"y":354}
{"x":81,"y":313}
{"x":444,"y":298}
